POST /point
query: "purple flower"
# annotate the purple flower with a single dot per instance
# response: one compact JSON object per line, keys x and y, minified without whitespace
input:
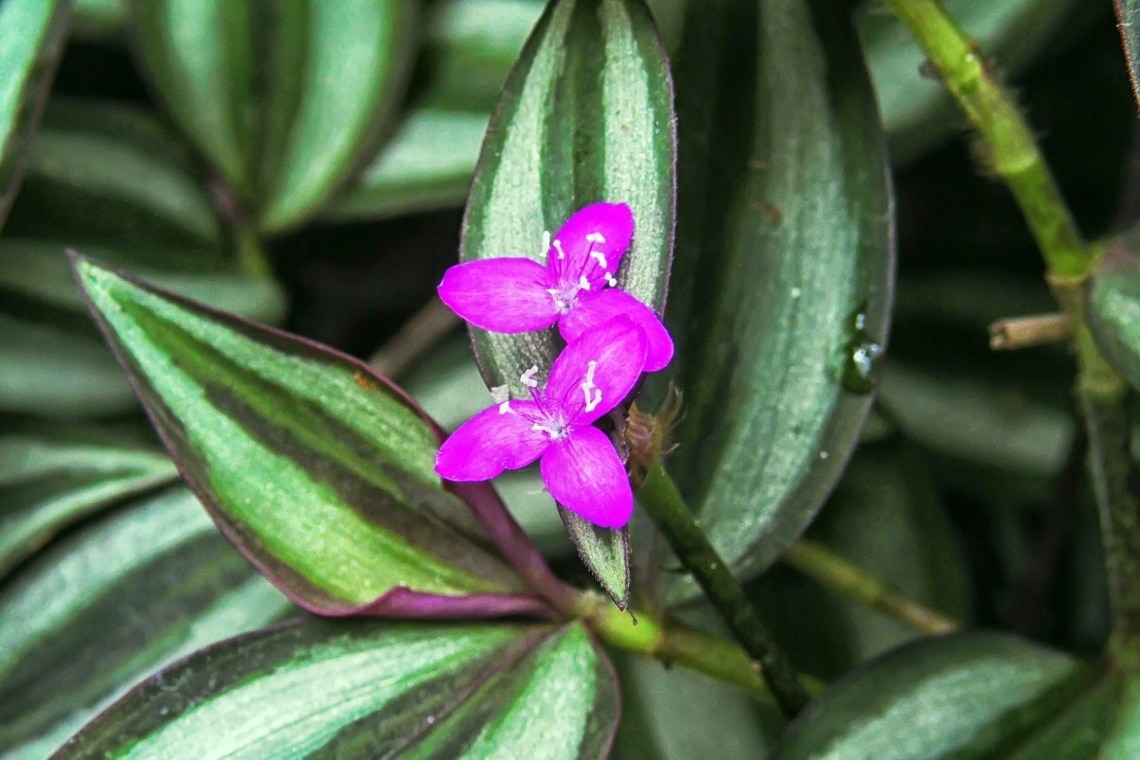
{"x":580,"y":466}
{"x":574,"y":288}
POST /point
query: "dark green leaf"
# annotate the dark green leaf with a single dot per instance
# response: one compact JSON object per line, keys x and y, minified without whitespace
{"x":605,"y":552}
{"x":101,"y":174}
{"x":32,"y":33}
{"x":783,"y":271}
{"x":372,"y":690}
{"x":591,"y":99}
{"x":54,"y":360}
{"x":426,"y":165}
{"x":676,"y":714}
{"x":52,"y":476}
{"x":112,"y":603}
{"x":940,"y":697}
{"x":321,"y":472}
{"x":283,"y":99}
{"x":917,"y":110}
{"x":1113,"y":310}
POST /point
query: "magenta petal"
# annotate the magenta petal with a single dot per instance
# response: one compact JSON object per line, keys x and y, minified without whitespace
{"x":598,"y":308}
{"x":594,"y":373}
{"x":507,"y":295}
{"x":602,"y":228}
{"x":584,"y":474}
{"x":492,"y":441}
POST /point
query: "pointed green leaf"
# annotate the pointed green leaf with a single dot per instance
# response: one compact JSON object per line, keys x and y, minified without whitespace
{"x":284,"y":100}
{"x":964,"y":695}
{"x":371,"y":690}
{"x":783,"y":271}
{"x":1128,"y":16}
{"x":112,"y":603}
{"x":102,"y":174}
{"x":1113,"y":310}
{"x":32,"y":33}
{"x":604,"y":552}
{"x":53,"y":476}
{"x":426,"y":165}
{"x":918,"y":112}
{"x":586,"y":115}
{"x":55,"y":362}
{"x":321,"y":472}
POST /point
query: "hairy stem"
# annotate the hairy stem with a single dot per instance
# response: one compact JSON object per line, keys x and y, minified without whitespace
{"x":664,"y":505}
{"x":820,"y":563}
{"x":1070,"y":261}
{"x":1012,"y":150}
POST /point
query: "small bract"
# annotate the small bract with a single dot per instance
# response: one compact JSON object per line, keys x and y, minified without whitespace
{"x":580,"y":465}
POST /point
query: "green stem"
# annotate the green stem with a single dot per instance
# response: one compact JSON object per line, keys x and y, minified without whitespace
{"x":820,"y":563}
{"x":675,"y":643}
{"x":661,"y":500}
{"x":1012,"y":150}
{"x":1070,"y":261}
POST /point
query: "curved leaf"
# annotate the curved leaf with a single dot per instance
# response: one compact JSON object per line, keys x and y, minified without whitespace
{"x":32,"y":33}
{"x":284,"y":100}
{"x":112,"y":603}
{"x":917,"y":110}
{"x":51,"y":477}
{"x":103,"y":174}
{"x":591,"y":98}
{"x":939,"y":697}
{"x":316,"y":469}
{"x":371,"y":690}
{"x":784,"y":267}
{"x":604,"y":552}
{"x":1128,"y":18}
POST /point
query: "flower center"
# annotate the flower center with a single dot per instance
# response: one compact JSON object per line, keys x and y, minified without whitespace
{"x":555,"y":428}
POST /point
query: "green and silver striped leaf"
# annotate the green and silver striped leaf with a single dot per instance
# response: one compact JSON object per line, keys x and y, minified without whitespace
{"x":321,"y":472}
{"x":52,"y":476}
{"x":109,"y":605}
{"x":586,"y":115}
{"x":369,"y":690}
{"x":964,"y":695}
{"x":284,"y":99}
{"x":32,"y":33}
{"x":784,"y":268}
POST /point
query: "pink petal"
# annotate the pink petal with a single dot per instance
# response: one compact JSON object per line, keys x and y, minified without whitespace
{"x":594,"y":373}
{"x":493,"y":441}
{"x":584,"y":474}
{"x":507,"y":295}
{"x":598,"y":308}
{"x":598,"y":232}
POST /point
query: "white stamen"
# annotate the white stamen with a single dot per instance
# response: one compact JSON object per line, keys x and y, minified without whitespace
{"x":500,"y":393}
{"x":505,"y":408}
{"x":601,"y":257}
{"x":558,"y":247}
{"x":583,"y":283}
{"x":554,"y":433}
{"x":595,"y":398}
{"x":545,"y":242}
{"x":556,"y":296}
{"x":610,"y":280}
{"x":527,"y":378}
{"x":595,"y":237}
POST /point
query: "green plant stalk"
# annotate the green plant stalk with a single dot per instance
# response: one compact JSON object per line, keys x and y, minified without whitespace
{"x":831,"y":570}
{"x":659,"y":496}
{"x":1014,"y":156}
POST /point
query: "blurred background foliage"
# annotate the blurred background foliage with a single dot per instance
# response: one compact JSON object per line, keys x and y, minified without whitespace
{"x":967,"y":493}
